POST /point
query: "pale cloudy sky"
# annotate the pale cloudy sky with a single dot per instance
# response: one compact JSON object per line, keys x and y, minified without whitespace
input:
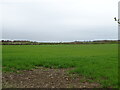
{"x":58,"y":20}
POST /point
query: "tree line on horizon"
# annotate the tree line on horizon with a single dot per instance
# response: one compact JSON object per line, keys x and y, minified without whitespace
{"x":25,"y":42}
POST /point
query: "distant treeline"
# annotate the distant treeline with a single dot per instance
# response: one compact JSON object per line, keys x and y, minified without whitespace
{"x":20,"y":42}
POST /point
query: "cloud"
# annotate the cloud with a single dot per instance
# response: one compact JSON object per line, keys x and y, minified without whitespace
{"x":59,"y":20}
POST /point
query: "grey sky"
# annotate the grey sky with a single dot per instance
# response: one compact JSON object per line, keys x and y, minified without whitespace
{"x":58,"y":20}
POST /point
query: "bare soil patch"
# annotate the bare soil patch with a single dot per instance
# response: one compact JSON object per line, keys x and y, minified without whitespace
{"x":45,"y":78}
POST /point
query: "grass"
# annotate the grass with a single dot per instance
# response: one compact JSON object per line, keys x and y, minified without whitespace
{"x":96,"y":61}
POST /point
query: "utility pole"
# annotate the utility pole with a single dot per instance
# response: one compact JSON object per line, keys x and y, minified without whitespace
{"x":117,"y":20}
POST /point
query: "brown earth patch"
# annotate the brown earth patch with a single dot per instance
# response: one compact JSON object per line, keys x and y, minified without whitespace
{"x":45,"y":78}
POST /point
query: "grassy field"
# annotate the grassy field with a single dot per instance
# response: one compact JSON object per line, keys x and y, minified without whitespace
{"x":96,"y":61}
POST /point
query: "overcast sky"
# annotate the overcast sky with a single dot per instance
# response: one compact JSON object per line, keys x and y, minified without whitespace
{"x":58,"y":20}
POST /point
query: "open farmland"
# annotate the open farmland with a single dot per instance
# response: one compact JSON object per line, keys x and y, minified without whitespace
{"x":96,"y":61}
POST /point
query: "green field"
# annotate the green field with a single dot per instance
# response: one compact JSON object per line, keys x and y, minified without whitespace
{"x":96,"y":61}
